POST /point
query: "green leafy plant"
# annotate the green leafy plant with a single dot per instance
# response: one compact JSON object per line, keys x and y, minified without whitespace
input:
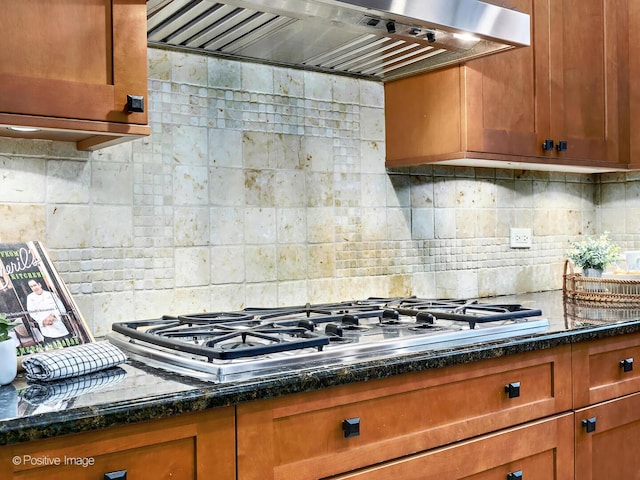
{"x":594,"y":252}
{"x":6,"y":326}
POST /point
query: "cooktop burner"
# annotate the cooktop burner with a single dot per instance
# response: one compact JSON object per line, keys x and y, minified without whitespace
{"x":223,"y":346}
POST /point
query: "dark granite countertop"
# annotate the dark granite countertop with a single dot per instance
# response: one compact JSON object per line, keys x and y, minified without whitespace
{"x":137,"y":392}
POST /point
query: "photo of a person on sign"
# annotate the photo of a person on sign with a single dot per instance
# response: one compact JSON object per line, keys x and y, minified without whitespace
{"x":45,"y":308}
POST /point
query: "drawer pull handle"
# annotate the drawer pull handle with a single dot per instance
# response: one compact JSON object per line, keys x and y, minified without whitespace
{"x":512,"y":389}
{"x":119,"y":475}
{"x":561,"y":146}
{"x":547,"y":145}
{"x":351,"y":427}
{"x":514,"y":475}
{"x":589,"y":424}
{"x":626,"y":365}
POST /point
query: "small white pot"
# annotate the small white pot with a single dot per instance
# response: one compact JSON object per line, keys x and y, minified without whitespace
{"x":8,"y":361}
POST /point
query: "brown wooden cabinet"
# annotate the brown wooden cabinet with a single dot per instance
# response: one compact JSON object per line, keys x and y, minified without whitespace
{"x":68,"y":67}
{"x":565,"y":88}
{"x":184,"y":447}
{"x":606,"y":382}
{"x":520,"y":416}
{"x":632,"y":60}
{"x":304,"y":436}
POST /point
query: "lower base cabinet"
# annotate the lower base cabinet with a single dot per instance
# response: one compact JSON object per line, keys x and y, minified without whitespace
{"x":537,"y":451}
{"x":607,"y":440}
{"x":563,"y":413}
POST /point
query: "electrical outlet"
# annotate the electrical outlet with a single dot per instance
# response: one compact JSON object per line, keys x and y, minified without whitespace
{"x":520,"y":238}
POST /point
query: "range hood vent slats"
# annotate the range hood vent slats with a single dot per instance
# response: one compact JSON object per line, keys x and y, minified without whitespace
{"x":346,"y":52}
{"x":173,"y":23}
{"x":203,"y":23}
{"x":249,"y":35}
{"x":374,"y":39}
{"x":229,"y":19}
{"x":363,"y":64}
{"x":393,"y":65}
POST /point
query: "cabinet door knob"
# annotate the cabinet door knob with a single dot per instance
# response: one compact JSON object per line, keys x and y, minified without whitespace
{"x":626,"y":365}
{"x":135,"y":103}
{"x":512,"y":389}
{"x":547,"y":145}
{"x":351,"y":427}
{"x":589,"y":424}
{"x":119,"y":475}
{"x":561,"y":146}
{"x":514,"y":475}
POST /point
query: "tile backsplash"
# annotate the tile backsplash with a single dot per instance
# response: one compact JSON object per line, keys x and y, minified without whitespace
{"x":263,"y":185}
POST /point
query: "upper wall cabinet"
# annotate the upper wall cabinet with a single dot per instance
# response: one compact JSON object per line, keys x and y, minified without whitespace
{"x":555,"y":105}
{"x":633,"y":59}
{"x":75,"y":70}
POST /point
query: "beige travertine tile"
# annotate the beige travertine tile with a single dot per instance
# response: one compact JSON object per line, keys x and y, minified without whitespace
{"x":22,"y":222}
{"x":292,"y":262}
{"x":69,"y":226}
{"x":227,"y":264}
{"x":192,"y":266}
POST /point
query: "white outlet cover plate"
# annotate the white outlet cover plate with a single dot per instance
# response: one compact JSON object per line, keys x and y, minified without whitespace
{"x":520,"y":238}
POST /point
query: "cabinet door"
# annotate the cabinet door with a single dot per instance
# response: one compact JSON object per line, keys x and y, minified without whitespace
{"x":584,"y":84}
{"x":71,"y":59}
{"x":536,"y":451}
{"x":632,"y":133}
{"x":500,"y":93}
{"x":608,"y":448}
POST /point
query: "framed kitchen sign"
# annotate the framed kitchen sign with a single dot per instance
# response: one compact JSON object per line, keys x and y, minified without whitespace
{"x":32,"y":292}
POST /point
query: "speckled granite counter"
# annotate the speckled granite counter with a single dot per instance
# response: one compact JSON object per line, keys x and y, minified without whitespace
{"x":139,"y":392}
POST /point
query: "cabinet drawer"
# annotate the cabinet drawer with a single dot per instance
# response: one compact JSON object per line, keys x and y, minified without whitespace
{"x":547,"y":453}
{"x":166,"y":460}
{"x":303,"y":437}
{"x":189,"y":446}
{"x":605,"y":369}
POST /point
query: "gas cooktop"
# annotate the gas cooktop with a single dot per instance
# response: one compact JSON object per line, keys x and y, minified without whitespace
{"x":255,"y":342}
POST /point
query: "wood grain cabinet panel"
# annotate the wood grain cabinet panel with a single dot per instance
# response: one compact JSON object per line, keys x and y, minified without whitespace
{"x":606,"y":446}
{"x":184,"y":447}
{"x":632,"y":60}
{"x":605,"y":369}
{"x":568,"y":88}
{"x":67,"y":68}
{"x":537,"y":451}
{"x":303,"y":437}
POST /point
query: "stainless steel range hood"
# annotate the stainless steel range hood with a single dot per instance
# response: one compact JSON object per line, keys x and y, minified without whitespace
{"x":376,"y":39}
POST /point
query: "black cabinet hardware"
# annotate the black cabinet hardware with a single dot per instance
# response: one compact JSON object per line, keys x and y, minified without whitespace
{"x":513,"y":389}
{"x":562,"y":146}
{"x":547,"y":145}
{"x":589,"y":424}
{"x":626,"y":365}
{"x":351,"y":427}
{"x":135,"y":103}
{"x":514,"y":475}
{"x":119,"y":475}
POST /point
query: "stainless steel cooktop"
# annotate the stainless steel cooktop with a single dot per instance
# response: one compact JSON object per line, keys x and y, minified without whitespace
{"x":257,"y":342}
